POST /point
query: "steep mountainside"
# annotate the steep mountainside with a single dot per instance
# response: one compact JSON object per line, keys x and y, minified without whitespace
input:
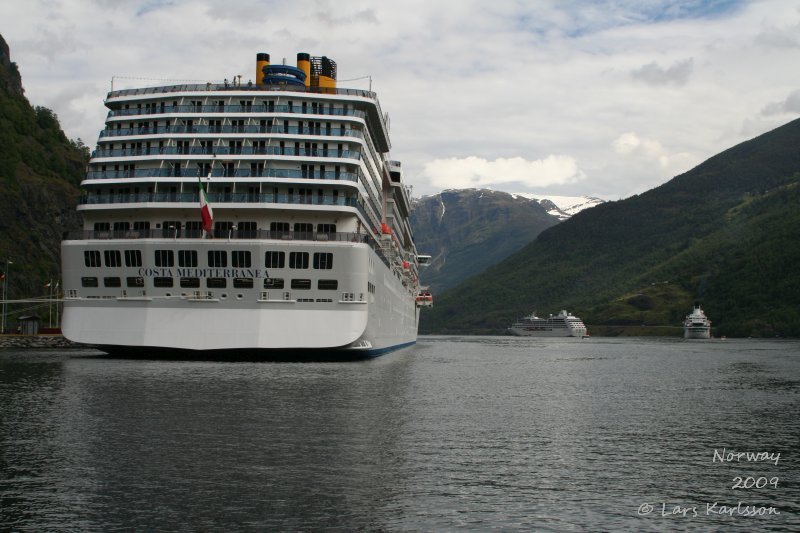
{"x":467,"y":230}
{"x":40,"y":170}
{"x":726,"y":233}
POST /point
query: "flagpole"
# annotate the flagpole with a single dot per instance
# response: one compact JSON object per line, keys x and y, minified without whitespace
{"x":58,"y":304}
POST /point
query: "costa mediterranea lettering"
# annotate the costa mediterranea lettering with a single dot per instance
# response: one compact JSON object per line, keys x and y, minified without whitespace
{"x":150,"y":272}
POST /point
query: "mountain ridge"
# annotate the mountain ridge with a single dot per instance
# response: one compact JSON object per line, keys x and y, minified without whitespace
{"x":466,"y":230}
{"x":40,"y":171}
{"x":688,"y":232}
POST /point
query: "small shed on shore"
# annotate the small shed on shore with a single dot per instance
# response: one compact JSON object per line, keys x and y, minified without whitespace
{"x":28,"y":325}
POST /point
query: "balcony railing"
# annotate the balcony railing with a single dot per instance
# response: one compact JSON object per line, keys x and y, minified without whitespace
{"x":252,"y":128}
{"x":224,"y":232}
{"x":217,"y":198}
{"x":227,"y":150}
{"x":257,"y":108}
{"x":220,"y":173}
{"x":196,"y":87}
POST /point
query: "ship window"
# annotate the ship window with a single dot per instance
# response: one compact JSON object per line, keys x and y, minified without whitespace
{"x":328,"y":284}
{"x":162,"y":282}
{"x":136,"y":281}
{"x":122,"y":226}
{"x":301,"y":284}
{"x":326,"y":228}
{"x":217,"y":258}
{"x":303,"y":227}
{"x":133,"y":258}
{"x":141,"y":225}
{"x":298,"y":260}
{"x":274,"y":259}
{"x":240,"y":258}
{"x":102,"y":226}
{"x":194,"y":229}
{"x":323,"y":261}
{"x":91,"y":258}
{"x":190,"y":283}
{"x":216,"y":283}
{"x":247,"y":230}
{"x":112,"y":282}
{"x":279,"y":226}
{"x":88,"y":282}
{"x":171,"y":228}
{"x":222,"y":229}
{"x":242,"y":283}
{"x":113,"y":258}
{"x":187,"y":258}
{"x":273,"y":283}
{"x":165,"y":258}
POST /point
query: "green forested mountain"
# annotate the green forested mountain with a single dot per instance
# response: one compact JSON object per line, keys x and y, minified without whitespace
{"x":726,"y":233}
{"x":40,"y":170}
{"x":467,"y":230}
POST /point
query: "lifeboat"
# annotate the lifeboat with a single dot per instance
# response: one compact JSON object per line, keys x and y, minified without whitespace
{"x":424,"y":299}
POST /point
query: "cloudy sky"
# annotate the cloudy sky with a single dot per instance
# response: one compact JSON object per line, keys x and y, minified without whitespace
{"x":561,"y":97}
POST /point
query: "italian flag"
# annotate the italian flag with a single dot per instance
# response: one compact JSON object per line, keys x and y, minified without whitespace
{"x":205,"y":209}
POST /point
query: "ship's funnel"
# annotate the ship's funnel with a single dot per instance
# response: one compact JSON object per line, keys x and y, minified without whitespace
{"x":324,"y":72}
{"x":262,"y":60}
{"x":304,"y":64}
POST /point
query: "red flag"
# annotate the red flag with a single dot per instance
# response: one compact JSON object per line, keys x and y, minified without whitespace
{"x":205,"y":209}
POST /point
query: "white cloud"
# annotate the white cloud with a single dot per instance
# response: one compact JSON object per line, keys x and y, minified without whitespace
{"x":478,"y":172}
{"x":654,"y":74}
{"x":790,"y":105}
{"x":646,"y":152}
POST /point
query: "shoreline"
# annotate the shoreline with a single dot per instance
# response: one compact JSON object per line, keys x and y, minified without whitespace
{"x":48,"y":340}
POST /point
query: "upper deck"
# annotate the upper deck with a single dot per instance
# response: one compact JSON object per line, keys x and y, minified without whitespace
{"x":365,"y":102}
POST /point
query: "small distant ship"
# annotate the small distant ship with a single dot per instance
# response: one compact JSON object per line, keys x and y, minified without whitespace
{"x":697,"y":325}
{"x":563,"y":324}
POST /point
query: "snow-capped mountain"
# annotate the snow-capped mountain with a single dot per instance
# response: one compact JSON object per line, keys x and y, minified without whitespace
{"x":563,"y":207}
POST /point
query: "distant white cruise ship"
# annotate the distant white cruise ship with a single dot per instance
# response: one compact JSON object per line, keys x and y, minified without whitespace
{"x":697,"y":325}
{"x":562,"y":325}
{"x":244,"y":217}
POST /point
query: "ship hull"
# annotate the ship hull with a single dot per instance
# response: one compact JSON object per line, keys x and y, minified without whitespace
{"x":240,"y":322}
{"x":697,"y":333}
{"x":523,"y":332}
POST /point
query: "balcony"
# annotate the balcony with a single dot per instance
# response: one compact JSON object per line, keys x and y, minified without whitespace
{"x":220,"y":173}
{"x":229,"y":129}
{"x":227,"y":150}
{"x":225,"y":109}
{"x":217,"y":198}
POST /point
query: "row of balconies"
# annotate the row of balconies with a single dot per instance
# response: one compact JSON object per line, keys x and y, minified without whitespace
{"x":228,"y":150}
{"x":302,"y":109}
{"x":339,"y":131}
{"x":222,"y":173}
{"x":217,"y":198}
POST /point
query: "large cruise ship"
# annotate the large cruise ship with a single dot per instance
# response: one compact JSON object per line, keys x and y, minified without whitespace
{"x":258,"y":217}
{"x":563,"y":324}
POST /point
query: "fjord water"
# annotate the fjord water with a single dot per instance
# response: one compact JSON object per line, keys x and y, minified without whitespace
{"x":455,"y":432}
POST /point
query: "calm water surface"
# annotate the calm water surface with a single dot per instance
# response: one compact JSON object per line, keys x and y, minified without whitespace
{"x":455,"y":433}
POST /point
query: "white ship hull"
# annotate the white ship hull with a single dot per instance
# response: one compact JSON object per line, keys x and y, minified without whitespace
{"x":244,"y":320}
{"x":698,"y":332}
{"x":560,"y":332}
